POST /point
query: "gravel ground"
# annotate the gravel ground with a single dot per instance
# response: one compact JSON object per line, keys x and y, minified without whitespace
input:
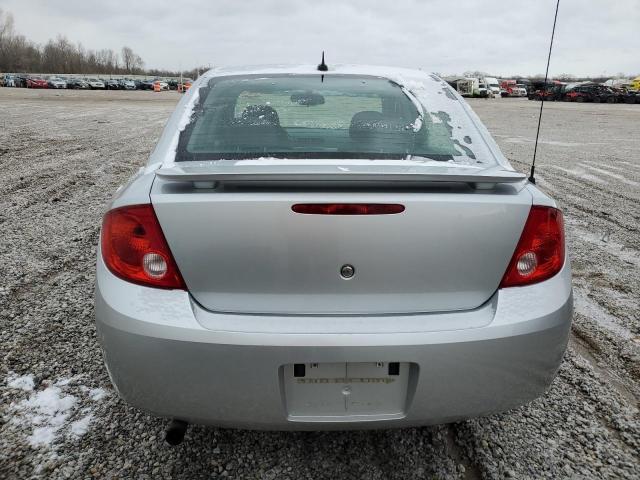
{"x":63,"y":153}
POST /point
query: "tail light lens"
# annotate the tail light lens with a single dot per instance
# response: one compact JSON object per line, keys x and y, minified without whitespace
{"x":134,"y":248}
{"x":540,"y":251}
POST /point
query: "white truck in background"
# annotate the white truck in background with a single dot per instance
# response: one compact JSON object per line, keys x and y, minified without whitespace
{"x":493,"y":85}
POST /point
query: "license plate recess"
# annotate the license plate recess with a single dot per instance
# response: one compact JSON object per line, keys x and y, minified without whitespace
{"x":346,"y":391}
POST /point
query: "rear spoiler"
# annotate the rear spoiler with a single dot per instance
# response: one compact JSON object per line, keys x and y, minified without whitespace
{"x":209,"y":175}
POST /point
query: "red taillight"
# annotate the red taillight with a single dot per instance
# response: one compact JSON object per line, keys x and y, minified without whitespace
{"x":134,"y":248}
{"x":348,"y":208}
{"x":540,"y":251}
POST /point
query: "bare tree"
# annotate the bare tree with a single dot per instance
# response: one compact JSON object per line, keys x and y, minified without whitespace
{"x":132,"y":62}
{"x":107,"y":61}
{"x":127,"y":58}
{"x":566,"y":77}
{"x":6,"y":37}
{"x":138,"y":64}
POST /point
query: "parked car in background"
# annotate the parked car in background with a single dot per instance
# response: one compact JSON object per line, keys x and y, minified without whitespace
{"x":112,"y":84}
{"x":592,"y":93}
{"x":146,"y":84}
{"x":631,"y":96}
{"x":95,"y":84}
{"x":56,"y":82}
{"x":77,"y":84}
{"x":243,"y":280}
{"x":20,"y":81}
{"x":127,"y":84}
{"x":37,"y":82}
{"x":512,"y":89}
{"x":557,"y":91}
{"x":551,"y":91}
{"x":8,"y":81}
{"x":549,"y":94}
{"x":520,"y":90}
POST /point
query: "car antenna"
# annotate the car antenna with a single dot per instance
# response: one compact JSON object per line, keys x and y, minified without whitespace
{"x":532,"y":178}
{"x":323,"y":66}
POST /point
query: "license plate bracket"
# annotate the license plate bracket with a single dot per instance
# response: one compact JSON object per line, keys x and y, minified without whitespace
{"x":344,"y":391}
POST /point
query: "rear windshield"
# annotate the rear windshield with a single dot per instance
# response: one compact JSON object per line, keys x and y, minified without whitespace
{"x":315,"y":117}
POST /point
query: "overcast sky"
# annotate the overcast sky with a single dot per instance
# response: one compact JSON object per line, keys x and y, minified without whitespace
{"x":447,"y":36}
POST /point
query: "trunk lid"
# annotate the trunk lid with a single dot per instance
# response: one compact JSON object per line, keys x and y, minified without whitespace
{"x":241,"y":248}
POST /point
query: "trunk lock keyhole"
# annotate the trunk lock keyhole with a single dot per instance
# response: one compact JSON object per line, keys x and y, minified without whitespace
{"x":347,"y":271}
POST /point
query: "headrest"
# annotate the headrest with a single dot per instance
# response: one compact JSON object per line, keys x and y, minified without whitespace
{"x":364,"y":123}
{"x":260,"y":115}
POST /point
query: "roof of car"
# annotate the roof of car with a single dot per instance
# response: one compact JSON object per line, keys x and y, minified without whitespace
{"x":417,"y":81}
{"x":310,"y":69}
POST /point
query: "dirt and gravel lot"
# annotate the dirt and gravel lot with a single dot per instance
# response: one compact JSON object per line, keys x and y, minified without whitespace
{"x":62,"y":155}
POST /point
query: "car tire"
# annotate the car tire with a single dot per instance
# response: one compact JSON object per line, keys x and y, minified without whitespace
{"x":580,"y":99}
{"x":611,"y":99}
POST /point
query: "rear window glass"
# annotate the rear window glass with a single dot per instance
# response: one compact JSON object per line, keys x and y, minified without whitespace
{"x":313,"y":116}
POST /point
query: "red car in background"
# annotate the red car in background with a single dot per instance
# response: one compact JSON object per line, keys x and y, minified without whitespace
{"x":34,"y":82}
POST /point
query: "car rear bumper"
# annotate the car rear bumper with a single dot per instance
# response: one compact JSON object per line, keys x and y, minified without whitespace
{"x":167,"y":356}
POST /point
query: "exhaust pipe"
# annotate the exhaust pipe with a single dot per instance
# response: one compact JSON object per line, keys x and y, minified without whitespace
{"x":175,"y":432}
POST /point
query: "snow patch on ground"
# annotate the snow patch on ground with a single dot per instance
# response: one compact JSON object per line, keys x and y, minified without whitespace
{"x":52,"y":411}
{"x":97,"y":394}
{"x":80,"y":427}
{"x":24,"y":382}
{"x":46,"y":411}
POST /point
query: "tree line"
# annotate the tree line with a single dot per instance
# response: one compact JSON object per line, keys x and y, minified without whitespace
{"x":19,"y":54}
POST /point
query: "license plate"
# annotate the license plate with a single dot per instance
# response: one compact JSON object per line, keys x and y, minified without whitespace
{"x":315,"y":391}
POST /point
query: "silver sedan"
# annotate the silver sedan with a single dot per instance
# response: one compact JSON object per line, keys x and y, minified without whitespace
{"x":311,"y":249}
